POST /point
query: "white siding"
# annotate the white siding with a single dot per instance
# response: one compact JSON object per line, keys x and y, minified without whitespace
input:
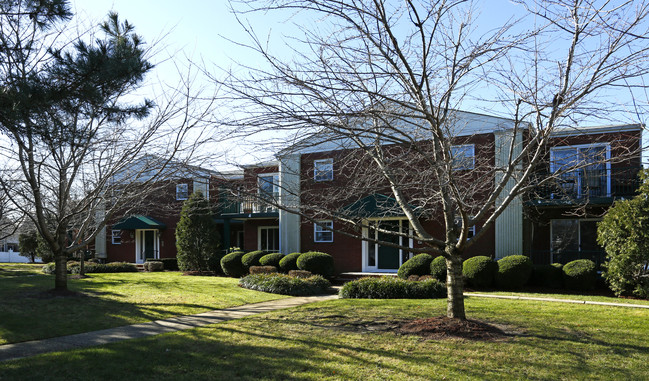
{"x":289,"y":196}
{"x":509,"y":225}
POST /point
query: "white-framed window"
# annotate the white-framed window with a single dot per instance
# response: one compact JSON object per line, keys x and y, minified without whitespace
{"x":268,"y":190}
{"x":116,"y":236}
{"x":584,"y":170}
{"x":323,"y":170}
{"x":268,"y":239}
{"x":323,"y":231}
{"x":463,"y":157}
{"x":182,"y":191}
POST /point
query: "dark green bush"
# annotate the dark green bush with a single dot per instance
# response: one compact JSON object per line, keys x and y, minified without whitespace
{"x":214,"y":262}
{"x":438,"y":268}
{"x":263,"y":269}
{"x":271,"y":259}
{"x":513,"y":272}
{"x":89,"y":267}
{"x":170,"y":264}
{"x":252,"y":258}
{"x":289,"y":262}
{"x":392,"y":288}
{"x":417,"y":265}
{"x":316,"y":262}
{"x":580,"y":274}
{"x":232,"y":266}
{"x":479,"y":271}
{"x":285,"y":285}
{"x":550,"y":276}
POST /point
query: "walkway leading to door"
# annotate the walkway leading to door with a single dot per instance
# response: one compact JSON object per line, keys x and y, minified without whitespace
{"x":111,"y":335}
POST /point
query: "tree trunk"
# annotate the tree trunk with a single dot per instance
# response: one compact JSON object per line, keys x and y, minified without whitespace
{"x":455,"y":287}
{"x":61,"y":272}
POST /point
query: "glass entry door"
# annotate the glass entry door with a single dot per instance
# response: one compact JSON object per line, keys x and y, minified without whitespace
{"x":383,"y":257}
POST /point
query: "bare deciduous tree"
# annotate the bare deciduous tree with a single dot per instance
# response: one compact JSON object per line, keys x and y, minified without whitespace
{"x":381,"y":82}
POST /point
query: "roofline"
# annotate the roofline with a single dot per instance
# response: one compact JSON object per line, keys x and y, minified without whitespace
{"x":603,"y":129}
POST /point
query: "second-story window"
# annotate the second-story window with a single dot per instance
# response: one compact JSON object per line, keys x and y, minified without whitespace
{"x":182,"y":191}
{"x":323,"y":170}
{"x":581,"y":171}
{"x":463,"y":157}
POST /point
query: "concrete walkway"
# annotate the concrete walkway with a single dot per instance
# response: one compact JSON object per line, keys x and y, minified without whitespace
{"x":573,"y":301}
{"x":111,"y":335}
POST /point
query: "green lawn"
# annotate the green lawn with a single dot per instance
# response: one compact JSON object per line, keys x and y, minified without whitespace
{"x":109,"y":300}
{"x":590,"y":298}
{"x":552,"y":341}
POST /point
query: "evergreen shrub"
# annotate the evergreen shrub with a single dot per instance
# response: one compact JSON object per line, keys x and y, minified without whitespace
{"x":285,"y":284}
{"x":232,"y":266}
{"x":417,"y":265}
{"x":316,"y":262}
{"x":479,"y":271}
{"x":438,"y":268}
{"x":580,"y":274}
{"x":392,"y":288}
{"x":513,"y":272}
{"x":289,"y":262}
{"x":271,"y":259}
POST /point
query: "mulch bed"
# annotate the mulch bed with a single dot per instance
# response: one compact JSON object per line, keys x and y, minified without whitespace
{"x":442,"y":327}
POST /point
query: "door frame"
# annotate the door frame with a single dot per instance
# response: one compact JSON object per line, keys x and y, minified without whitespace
{"x":139,"y":244}
{"x":366,"y":244}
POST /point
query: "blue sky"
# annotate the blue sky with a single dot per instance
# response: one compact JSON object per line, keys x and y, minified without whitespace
{"x":200,"y":30}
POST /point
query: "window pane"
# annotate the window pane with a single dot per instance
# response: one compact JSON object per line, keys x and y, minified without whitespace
{"x":462,"y":157}
{"x":323,"y":170}
{"x":565,"y":240}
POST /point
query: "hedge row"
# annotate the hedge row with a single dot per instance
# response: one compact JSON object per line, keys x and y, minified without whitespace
{"x":285,"y":285}
{"x":90,"y":267}
{"x":238,"y":264}
{"x":392,"y":288}
{"x":510,"y":273}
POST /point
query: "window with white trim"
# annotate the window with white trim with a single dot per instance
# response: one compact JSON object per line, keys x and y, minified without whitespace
{"x":116,"y":237}
{"x":323,"y":231}
{"x":268,"y":239}
{"x":323,"y":170}
{"x":463,"y":157}
{"x":582,"y":171}
{"x":182,"y":191}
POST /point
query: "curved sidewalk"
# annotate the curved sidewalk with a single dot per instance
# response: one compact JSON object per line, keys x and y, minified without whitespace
{"x":179,"y":323}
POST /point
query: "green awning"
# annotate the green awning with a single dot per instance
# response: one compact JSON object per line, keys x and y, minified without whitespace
{"x":376,"y":205}
{"x":139,"y":222}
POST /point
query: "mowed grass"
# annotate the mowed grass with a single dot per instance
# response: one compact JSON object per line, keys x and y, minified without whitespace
{"x":549,"y":341}
{"x":27,"y":312}
{"x":590,"y":298}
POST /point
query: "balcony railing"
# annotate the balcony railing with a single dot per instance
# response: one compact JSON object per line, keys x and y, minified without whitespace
{"x":587,"y":184}
{"x":249,"y":204}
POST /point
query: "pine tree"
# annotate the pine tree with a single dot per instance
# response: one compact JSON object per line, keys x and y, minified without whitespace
{"x":197,"y":239}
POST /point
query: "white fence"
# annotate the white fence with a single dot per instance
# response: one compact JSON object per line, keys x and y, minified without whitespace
{"x":14,"y":257}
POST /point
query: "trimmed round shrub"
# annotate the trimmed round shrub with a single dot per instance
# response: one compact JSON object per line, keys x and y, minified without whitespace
{"x":232,"y":266}
{"x":214,"y":262}
{"x":549,"y":276}
{"x":580,"y":275}
{"x":316,"y":262}
{"x":252,"y":258}
{"x":285,"y":285}
{"x":392,"y":288}
{"x":49,"y":268}
{"x":479,"y":271}
{"x":271,"y":259}
{"x":417,"y":265}
{"x":438,"y":268}
{"x":289,"y":262}
{"x":513,"y":272}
